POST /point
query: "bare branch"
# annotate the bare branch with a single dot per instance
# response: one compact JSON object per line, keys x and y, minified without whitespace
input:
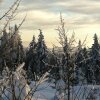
{"x":10,"y":9}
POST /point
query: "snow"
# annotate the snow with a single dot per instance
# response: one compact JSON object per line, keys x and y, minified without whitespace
{"x":21,"y":88}
{"x":44,"y":91}
{"x":85,"y":91}
{"x":60,"y":84}
{"x":47,"y":90}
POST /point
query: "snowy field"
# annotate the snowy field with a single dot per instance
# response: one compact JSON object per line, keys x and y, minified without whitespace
{"x":46,"y":92}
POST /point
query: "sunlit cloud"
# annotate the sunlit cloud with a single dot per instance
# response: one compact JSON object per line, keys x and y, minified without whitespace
{"x":1,"y":1}
{"x":81,"y":16}
{"x":85,"y":12}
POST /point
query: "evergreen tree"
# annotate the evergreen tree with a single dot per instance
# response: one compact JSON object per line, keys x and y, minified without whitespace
{"x":30,"y":62}
{"x":54,"y":73}
{"x":95,"y":48}
{"x":53,"y":58}
{"x":82,"y":65}
{"x":12,"y":49}
{"x":17,"y":50}
{"x":85,"y":65}
{"x":95,"y":61}
{"x":30,"y":52}
{"x":41,"y":50}
{"x":4,"y":50}
{"x":20,"y":52}
{"x":79,"y":59}
{"x":36,"y":57}
{"x":32,"y":45}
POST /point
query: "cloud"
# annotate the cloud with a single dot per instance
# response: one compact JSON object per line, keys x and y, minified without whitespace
{"x":44,"y":14}
{"x":74,"y":6}
{"x":86,"y":11}
{"x":1,"y":1}
{"x":79,"y":12}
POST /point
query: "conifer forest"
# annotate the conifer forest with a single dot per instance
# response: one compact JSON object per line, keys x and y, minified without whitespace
{"x":68,"y":71}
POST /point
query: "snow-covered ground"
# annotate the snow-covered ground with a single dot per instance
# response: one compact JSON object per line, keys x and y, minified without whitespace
{"x":85,"y":92}
{"x":45,"y":90}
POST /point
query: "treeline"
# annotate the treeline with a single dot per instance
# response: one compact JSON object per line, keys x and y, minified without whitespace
{"x":11,"y":49}
{"x":88,"y":63}
{"x":81,"y":65}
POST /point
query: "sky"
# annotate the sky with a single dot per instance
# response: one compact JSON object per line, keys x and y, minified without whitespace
{"x":82,"y":16}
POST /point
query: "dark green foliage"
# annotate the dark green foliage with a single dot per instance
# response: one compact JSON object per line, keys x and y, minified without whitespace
{"x":36,"y":56}
{"x":12,"y":51}
{"x":88,"y":63}
{"x":54,"y":62}
{"x":82,"y":62}
{"x":41,"y":53}
{"x":95,"y":61}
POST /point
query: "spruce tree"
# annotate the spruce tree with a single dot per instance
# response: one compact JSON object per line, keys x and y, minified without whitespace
{"x":32,"y":44}
{"x":17,"y":50}
{"x":79,"y":58}
{"x":41,"y":50}
{"x":12,"y":48}
{"x":4,"y":50}
{"x":95,"y":61}
{"x":82,"y":65}
{"x":30,"y":52}
{"x":53,"y":57}
{"x":20,"y":52}
{"x":54,"y":62}
{"x":31,"y":61}
{"x":85,"y":64}
{"x":36,"y":57}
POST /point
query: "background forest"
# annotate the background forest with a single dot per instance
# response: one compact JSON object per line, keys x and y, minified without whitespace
{"x":69,"y":69}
